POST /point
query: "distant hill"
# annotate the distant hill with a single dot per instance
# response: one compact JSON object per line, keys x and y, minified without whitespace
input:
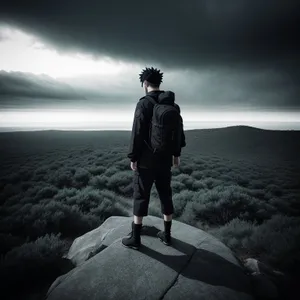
{"x":236,"y":142}
{"x":245,"y":142}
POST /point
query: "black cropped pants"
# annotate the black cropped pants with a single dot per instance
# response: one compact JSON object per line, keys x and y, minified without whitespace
{"x":142,"y":183}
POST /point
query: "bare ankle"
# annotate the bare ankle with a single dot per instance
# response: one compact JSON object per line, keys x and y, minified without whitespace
{"x":168,"y":217}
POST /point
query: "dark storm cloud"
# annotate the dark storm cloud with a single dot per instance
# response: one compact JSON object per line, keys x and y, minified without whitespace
{"x":27,"y":90}
{"x":223,"y":89}
{"x":173,"y":33}
{"x":21,"y":89}
{"x":248,"y":50}
{"x":264,"y":89}
{"x":219,"y":89}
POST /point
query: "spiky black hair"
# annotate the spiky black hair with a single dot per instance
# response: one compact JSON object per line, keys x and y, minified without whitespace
{"x":151,"y":75}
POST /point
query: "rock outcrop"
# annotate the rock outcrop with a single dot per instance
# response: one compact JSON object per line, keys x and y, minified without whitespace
{"x":267,"y":282}
{"x":196,"y":266}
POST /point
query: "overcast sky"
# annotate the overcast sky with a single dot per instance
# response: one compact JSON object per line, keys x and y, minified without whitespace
{"x":234,"y":56}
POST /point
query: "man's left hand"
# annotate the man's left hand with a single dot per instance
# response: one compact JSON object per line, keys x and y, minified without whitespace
{"x":133,"y":165}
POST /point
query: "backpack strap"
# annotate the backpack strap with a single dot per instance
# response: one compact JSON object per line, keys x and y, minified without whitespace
{"x":177,"y":107}
{"x":152,"y":100}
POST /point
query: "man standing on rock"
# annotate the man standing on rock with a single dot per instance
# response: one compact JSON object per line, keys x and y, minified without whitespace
{"x":155,"y":146}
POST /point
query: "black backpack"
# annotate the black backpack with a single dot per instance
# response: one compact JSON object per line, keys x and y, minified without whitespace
{"x":165,"y":128}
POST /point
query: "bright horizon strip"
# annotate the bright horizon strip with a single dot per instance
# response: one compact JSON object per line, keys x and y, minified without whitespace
{"x":119,"y":119}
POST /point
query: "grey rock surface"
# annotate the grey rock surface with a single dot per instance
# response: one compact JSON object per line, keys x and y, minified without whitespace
{"x":196,"y":266}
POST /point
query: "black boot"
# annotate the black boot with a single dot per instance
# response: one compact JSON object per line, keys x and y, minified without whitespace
{"x":134,"y":240}
{"x":165,"y":236}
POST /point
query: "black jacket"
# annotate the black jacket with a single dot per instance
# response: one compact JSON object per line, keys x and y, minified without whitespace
{"x":138,"y":150}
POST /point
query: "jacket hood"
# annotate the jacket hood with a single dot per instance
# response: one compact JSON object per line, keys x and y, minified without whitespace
{"x":167,"y":97}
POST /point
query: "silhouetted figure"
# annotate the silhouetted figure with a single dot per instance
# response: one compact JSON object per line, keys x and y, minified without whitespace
{"x":155,"y":146}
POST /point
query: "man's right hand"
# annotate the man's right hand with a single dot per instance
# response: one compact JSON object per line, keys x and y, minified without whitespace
{"x":176,"y":161}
